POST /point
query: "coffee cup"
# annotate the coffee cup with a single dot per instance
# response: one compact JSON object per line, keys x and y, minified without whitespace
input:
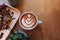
{"x":28,"y":20}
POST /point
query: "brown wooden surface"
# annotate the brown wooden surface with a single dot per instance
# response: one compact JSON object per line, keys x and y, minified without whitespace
{"x":49,"y":12}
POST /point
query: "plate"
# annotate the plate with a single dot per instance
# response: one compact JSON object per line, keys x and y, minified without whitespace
{"x":13,"y":22}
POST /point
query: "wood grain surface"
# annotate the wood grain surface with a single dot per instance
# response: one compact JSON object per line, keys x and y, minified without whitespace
{"x":49,"y":12}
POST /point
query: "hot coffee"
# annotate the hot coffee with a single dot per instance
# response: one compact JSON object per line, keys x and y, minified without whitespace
{"x":28,"y":20}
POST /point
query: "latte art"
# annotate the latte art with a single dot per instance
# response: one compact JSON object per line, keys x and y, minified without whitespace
{"x":28,"y":20}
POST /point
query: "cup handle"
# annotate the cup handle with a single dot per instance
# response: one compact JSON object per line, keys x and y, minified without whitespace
{"x":39,"y":21}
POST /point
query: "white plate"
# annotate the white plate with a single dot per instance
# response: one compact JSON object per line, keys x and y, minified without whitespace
{"x":16,"y":16}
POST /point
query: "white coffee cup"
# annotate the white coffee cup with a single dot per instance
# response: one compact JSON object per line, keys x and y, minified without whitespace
{"x":28,"y":19}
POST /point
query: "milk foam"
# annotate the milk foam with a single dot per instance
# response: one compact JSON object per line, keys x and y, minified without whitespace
{"x":29,"y":22}
{"x":26,"y":23}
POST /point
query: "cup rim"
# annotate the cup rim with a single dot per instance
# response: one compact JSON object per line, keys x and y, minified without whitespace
{"x":31,"y":27}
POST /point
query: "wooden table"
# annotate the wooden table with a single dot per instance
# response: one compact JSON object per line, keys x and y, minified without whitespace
{"x":49,"y":12}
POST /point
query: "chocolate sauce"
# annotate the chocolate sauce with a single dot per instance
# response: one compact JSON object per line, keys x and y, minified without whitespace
{"x":1,"y":35}
{"x":5,"y":17}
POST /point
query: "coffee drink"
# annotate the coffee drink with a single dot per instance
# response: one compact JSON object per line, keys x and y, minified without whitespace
{"x":28,"y":20}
